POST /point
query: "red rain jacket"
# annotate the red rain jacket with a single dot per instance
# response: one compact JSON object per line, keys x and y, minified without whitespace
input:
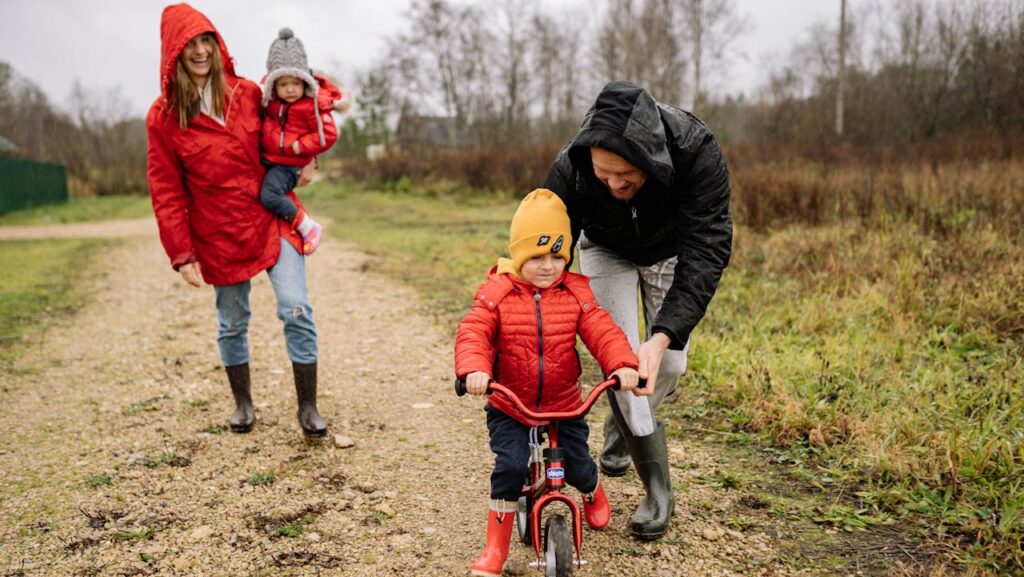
{"x":529,"y":344}
{"x":204,"y":181}
{"x":285,"y":123}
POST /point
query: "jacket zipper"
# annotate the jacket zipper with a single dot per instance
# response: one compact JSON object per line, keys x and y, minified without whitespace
{"x":540,"y":348}
{"x":636,"y":223}
{"x":282,"y":120}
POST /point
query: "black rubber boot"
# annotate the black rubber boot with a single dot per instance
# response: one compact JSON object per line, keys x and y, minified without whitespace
{"x":650,"y":457}
{"x":614,"y":455}
{"x":312,"y":423}
{"x":242,"y":419}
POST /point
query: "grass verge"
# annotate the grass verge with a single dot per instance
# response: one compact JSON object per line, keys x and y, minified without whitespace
{"x":82,"y":210}
{"x":38,"y":284}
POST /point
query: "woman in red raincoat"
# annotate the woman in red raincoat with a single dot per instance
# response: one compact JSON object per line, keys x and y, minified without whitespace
{"x":204,"y":179}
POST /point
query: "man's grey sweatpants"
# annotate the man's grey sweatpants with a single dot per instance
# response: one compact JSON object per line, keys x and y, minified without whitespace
{"x":619,"y":286}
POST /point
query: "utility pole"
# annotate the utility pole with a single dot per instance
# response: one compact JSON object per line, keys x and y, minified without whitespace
{"x":842,"y":68}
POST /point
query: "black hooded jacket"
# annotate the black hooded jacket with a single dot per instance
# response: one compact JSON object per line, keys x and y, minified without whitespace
{"x":682,"y":209}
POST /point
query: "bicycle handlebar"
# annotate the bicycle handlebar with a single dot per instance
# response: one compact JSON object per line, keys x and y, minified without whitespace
{"x":588,"y":403}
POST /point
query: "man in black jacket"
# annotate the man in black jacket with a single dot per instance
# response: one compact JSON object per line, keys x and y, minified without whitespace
{"x":648,"y":188}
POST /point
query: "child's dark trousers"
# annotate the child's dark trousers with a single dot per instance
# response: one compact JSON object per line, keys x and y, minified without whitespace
{"x":510,"y":442}
{"x":274,"y":193}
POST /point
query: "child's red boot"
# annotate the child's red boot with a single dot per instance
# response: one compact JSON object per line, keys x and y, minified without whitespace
{"x":499,"y":532}
{"x":596,"y":509}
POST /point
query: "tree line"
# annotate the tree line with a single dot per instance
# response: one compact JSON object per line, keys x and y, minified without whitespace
{"x":103,"y":148}
{"x":924,"y":79}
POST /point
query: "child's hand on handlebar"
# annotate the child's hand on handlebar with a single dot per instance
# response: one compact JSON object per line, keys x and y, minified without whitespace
{"x":628,"y":379}
{"x":476,"y":383}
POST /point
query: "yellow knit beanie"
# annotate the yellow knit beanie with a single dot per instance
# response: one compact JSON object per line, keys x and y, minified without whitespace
{"x":540,"y":226}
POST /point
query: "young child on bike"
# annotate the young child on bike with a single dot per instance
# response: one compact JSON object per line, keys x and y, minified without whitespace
{"x":521,"y":332}
{"x":297,"y":126}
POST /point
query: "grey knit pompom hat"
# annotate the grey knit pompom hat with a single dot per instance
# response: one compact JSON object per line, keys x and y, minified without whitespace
{"x":287,"y":57}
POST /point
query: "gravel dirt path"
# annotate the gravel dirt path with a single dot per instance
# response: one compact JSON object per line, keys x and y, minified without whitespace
{"x":115,"y":460}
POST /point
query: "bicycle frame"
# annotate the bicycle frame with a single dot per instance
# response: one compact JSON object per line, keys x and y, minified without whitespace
{"x":546,"y":486}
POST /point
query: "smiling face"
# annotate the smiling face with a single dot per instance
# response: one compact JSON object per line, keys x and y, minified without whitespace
{"x":197,"y":58}
{"x":542,"y":271}
{"x":622,"y":179}
{"x":289,"y":88}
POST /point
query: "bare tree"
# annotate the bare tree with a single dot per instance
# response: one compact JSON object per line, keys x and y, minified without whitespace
{"x":639,"y":41}
{"x":511,"y":64}
{"x":711,"y":26}
{"x":441,"y":49}
{"x":841,"y":89}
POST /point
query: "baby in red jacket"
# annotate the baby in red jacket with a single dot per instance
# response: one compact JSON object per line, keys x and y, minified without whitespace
{"x":296,"y":127}
{"x":521,"y":332}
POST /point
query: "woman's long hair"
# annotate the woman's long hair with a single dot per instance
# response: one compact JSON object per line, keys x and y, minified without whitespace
{"x":186,"y":99}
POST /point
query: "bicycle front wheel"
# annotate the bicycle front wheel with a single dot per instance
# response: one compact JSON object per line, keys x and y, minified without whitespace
{"x":558,"y":548}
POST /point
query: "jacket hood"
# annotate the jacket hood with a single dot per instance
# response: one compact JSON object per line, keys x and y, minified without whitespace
{"x":625,"y":119}
{"x":179,"y":24}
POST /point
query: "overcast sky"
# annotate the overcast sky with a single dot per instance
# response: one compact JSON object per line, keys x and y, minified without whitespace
{"x":116,"y":43}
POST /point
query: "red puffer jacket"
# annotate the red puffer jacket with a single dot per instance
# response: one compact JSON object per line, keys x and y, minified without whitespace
{"x":204,"y":181}
{"x":525,"y":338}
{"x":285,"y":123}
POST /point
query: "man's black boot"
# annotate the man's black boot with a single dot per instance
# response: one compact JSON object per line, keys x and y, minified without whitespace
{"x":242,"y":419}
{"x":312,"y":423}
{"x":614,"y":455}
{"x":650,"y":455}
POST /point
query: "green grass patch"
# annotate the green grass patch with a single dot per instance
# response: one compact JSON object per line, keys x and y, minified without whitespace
{"x":442,"y":244}
{"x":140,"y":535}
{"x":82,"y":210}
{"x":295,"y":529}
{"x":37,"y":284}
{"x":878,"y":361}
{"x":165,"y":459}
{"x":147,"y":406}
{"x":261,"y":479}
{"x":97,"y":481}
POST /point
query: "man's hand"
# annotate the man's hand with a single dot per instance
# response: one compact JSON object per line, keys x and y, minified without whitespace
{"x":190,"y":272}
{"x":476,"y":383}
{"x":649,"y":354}
{"x":306,"y":174}
{"x":628,"y":379}
{"x":296,"y":148}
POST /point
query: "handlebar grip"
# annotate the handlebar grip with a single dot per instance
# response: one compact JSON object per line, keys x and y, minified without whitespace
{"x":618,"y":384}
{"x":461,"y":389}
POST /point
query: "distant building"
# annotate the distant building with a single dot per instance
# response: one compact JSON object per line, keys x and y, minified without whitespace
{"x":8,"y":148}
{"x":375,"y":151}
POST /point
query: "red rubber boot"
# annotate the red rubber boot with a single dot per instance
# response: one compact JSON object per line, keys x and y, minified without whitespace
{"x":499,"y":532}
{"x":596,"y":509}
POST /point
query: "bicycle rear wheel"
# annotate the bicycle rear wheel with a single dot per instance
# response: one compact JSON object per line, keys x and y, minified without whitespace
{"x":523,"y":519}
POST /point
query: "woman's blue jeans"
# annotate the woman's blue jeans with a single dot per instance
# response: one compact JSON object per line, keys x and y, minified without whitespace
{"x":288,"y":277}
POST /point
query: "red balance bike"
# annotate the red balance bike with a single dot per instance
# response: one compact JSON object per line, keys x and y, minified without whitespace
{"x":560,"y":552}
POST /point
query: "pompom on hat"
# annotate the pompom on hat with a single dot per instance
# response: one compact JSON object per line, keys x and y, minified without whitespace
{"x":539,"y":226}
{"x":287,"y":57}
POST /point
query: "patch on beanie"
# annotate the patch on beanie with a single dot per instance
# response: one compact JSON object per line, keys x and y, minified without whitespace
{"x":558,"y":244}
{"x":543,"y":240}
